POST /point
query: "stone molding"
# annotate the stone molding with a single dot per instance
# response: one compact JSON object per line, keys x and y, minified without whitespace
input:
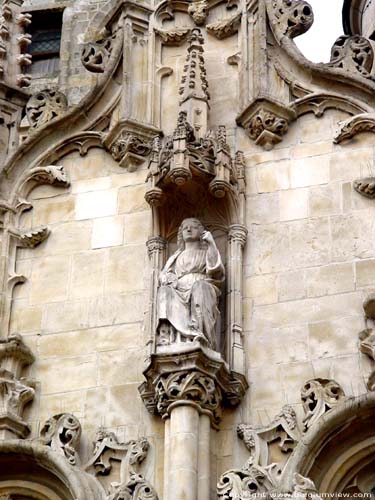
{"x":191,"y":376}
{"x":266,"y":121}
{"x":173,"y":37}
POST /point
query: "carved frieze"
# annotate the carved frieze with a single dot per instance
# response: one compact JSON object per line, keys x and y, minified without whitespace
{"x":62,"y":433}
{"x":353,"y":54}
{"x":292,"y":17}
{"x":44,"y":106}
{"x":318,"y":396}
{"x":266,"y":121}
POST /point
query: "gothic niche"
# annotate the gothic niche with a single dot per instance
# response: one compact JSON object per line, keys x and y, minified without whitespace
{"x":196,"y":189}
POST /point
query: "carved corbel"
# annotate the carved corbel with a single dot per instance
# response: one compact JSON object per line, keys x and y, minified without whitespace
{"x":130,"y":143}
{"x":62,"y":433}
{"x":353,"y":54}
{"x":44,"y":106}
{"x":318,"y":396}
{"x":266,"y":121}
{"x":198,"y":10}
{"x":292,"y":17}
{"x":173,"y":37}
{"x":225,"y":27}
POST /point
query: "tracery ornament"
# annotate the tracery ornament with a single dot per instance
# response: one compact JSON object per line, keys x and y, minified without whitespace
{"x":95,"y":55}
{"x":318,"y":396}
{"x":185,"y":386}
{"x":353,"y":54}
{"x":62,"y":433}
{"x":44,"y":106}
{"x":292,"y":17}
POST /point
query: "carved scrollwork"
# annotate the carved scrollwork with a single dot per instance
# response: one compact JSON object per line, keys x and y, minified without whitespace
{"x":62,"y":433}
{"x":137,"y":488}
{"x":318,"y":396}
{"x":173,"y":37}
{"x":95,"y":55}
{"x":353,"y":54}
{"x":292,"y":17}
{"x":51,"y":174}
{"x":225,"y":27}
{"x":44,"y":106}
{"x":189,"y":386}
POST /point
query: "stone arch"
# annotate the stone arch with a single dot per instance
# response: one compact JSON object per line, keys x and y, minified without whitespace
{"x":32,"y":471}
{"x":337,"y":453}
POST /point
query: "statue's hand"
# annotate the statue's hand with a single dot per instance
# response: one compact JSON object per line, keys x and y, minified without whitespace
{"x":168,"y":279}
{"x":208,"y":238}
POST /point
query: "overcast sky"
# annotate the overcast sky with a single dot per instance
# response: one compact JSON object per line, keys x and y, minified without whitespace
{"x":317,"y":42}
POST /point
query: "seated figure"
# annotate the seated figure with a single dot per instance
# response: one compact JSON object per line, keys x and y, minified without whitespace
{"x":188,"y":293}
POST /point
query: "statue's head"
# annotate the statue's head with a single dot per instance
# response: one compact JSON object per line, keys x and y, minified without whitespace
{"x":191,"y":229}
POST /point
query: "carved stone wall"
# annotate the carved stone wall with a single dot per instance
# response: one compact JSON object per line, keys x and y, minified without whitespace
{"x":225,"y":121}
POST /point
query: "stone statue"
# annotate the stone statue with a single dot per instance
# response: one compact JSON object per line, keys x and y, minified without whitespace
{"x":189,"y":288}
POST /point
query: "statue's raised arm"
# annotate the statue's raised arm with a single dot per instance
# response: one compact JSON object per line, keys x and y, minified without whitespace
{"x":189,"y":288}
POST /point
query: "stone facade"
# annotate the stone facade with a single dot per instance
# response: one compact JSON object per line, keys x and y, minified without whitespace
{"x":187,"y":299}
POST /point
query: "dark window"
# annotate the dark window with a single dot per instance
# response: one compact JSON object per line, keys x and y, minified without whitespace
{"x":45,"y":31}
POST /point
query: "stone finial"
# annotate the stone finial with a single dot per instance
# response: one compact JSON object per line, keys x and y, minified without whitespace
{"x":318,"y":396}
{"x":62,"y":433}
{"x":44,"y":106}
{"x":353,"y":54}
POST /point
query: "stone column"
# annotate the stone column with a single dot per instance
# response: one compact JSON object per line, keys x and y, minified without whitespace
{"x":236,"y":241}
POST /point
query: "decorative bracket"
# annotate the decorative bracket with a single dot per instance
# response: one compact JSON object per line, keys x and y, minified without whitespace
{"x":266,"y":121}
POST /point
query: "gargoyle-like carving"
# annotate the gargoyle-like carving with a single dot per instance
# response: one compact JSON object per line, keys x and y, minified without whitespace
{"x":44,"y":106}
{"x":318,"y":396}
{"x":198,"y":10}
{"x":173,"y":37}
{"x":225,"y":27}
{"x":129,"y":143}
{"x":51,"y":174}
{"x":95,"y":55}
{"x":367,"y":346}
{"x":14,"y":396}
{"x":189,"y":386}
{"x":303,"y":487}
{"x":282,"y":432}
{"x":62,"y":433}
{"x":363,"y":122}
{"x":365,"y":187}
{"x":189,"y":289}
{"x":292,"y":17}
{"x":137,"y":488}
{"x":250,"y":481}
{"x":353,"y":54}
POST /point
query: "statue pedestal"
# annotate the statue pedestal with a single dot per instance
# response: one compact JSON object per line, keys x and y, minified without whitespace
{"x":188,"y":385}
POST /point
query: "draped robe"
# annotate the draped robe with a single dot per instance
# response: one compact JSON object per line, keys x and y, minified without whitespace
{"x":188,"y":295}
